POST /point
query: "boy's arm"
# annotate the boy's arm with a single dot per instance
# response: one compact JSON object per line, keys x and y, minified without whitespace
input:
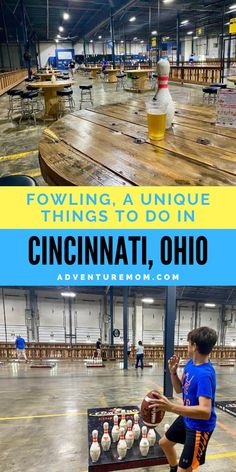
{"x":198,"y":412}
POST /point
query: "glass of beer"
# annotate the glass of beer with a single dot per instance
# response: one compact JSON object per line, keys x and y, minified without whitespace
{"x":156,"y":118}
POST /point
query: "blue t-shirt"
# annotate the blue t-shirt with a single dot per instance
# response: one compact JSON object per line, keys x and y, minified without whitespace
{"x":20,"y":343}
{"x":199,"y":381}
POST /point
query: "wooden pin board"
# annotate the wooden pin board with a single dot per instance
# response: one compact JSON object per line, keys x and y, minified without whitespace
{"x":109,"y":461}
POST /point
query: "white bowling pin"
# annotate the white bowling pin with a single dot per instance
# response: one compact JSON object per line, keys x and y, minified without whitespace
{"x":106,"y":439}
{"x":122,"y":446}
{"x":144,"y":443}
{"x":95,"y":449}
{"x":123,"y":422}
{"x":129,"y":437}
{"x":166,"y":427}
{"x":136,"y":427}
{"x":115,"y":432}
{"x":163,"y":95}
{"x":151,"y":436}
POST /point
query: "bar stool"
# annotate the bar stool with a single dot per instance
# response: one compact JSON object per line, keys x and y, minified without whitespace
{"x":17,"y":180}
{"x":14,"y":101}
{"x":210,"y":92}
{"x":30,"y":105}
{"x":154,"y":81}
{"x":135,"y":79}
{"x":86,"y":94}
{"x":105,"y":76}
{"x":120,"y":81}
{"x":65,"y":101}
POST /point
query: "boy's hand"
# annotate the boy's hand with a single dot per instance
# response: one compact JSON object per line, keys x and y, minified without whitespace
{"x":173,"y":363}
{"x":161,"y":402}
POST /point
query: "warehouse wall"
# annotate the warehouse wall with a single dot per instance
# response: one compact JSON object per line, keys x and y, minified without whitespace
{"x":88,"y":317}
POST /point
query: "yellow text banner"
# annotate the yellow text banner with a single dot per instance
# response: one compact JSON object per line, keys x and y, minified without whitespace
{"x":118,"y":207}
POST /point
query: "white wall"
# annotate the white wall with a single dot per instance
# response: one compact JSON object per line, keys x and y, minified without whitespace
{"x":98,"y":47}
{"x":90,"y":319}
{"x":48,"y":49}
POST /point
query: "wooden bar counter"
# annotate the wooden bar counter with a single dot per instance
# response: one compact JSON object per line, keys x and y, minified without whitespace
{"x":109,"y":146}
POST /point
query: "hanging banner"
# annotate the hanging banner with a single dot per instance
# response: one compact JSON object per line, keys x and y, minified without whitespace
{"x":232,"y":26}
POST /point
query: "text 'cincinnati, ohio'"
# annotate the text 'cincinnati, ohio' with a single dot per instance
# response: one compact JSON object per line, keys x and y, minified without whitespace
{"x":109,"y":250}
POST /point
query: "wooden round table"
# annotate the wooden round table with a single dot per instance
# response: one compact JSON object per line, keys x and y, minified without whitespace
{"x":108,"y":145}
{"x":143,"y":74}
{"x":47,"y":76}
{"x":232,"y":79}
{"x":50,"y":90}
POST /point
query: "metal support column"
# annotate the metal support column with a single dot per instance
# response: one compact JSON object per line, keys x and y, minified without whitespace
{"x":70,"y":320}
{"x":112,"y":41}
{"x":25,"y":36}
{"x":196,"y":315}
{"x":149,"y":35}
{"x":111,"y":317}
{"x":85,"y":56}
{"x":6,"y":35}
{"x":125,"y":326}
{"x":229,"y":52}
{"x":169,"y":337}
{"x":4,"y":315}
{"x":33,"y":315}
{"x":222,"y":330}
{"x":222,"y":52}
{"x":178,"y":40}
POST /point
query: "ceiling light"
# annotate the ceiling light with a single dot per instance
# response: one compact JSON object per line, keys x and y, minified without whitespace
{"x":66,"y":16}
{"x":233,"y":7}
{"x":168,"y":1}
{"x":122,"y":41}
{"x":68,"y":294}
{"x":184,"y":22}
{"x":227,"y":24}
{"x":148,"y":300}
{"x":61,"y":28}
{"x":195,"y":37}
{"x":133,"y":18}
{"x":142,"y":41}
{"x":135,"y":39}
{"x":57,"y":40}
{"x":190,"y":32}
{"x":99,"y":37}
{"x":210,"y":305}
{"x":154,"y":32}
{"x":91,"y":41}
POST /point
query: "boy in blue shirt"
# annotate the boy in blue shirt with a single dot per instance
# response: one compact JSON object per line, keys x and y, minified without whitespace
{"x":197,"y":419}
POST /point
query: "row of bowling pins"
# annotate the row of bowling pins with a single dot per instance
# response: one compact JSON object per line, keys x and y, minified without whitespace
{"x":94,"y":361}
{"x":125,"y":436}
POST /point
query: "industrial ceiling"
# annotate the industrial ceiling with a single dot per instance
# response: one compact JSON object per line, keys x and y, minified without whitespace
{"x":91,"y":18}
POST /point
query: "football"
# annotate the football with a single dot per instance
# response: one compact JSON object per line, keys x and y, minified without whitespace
{"x":150,"y":416}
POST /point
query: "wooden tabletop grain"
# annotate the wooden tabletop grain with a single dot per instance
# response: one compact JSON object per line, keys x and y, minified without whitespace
{"x":109,"y":146}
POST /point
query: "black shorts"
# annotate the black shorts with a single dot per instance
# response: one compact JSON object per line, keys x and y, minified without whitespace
{"x":195,"y":443}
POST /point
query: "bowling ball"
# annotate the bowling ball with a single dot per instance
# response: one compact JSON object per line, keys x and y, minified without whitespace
{"x":150,"y":416}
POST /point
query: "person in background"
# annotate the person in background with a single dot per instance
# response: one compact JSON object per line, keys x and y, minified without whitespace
{"x":196,"y":417}
{"x":20,"y":348}
{"x":72,"y":67}
{"x":191,"y":59}
{"x":104,"y":65}
{"x":139,"y":355}
{"x":99,"y":347}
{"x":129,"y":347}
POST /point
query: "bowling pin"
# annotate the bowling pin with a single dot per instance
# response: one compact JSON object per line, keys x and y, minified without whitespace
{"x":115,"y":432}
{"x":144,"y":443}
{"x":122,"y":446}
{"x":95,"y":449}
{"x":166,"y":427}
{"x":129,"y":437}
{"x":136,"y":427}
{"x":106,"y":439}
{"x":151,"y":436}
{"x":123,"y":422}
{"x":163,"y":95}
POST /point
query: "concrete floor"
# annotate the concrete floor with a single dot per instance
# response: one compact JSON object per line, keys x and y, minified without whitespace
{"x":19,"y":144}
{"x":56,"y":440}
